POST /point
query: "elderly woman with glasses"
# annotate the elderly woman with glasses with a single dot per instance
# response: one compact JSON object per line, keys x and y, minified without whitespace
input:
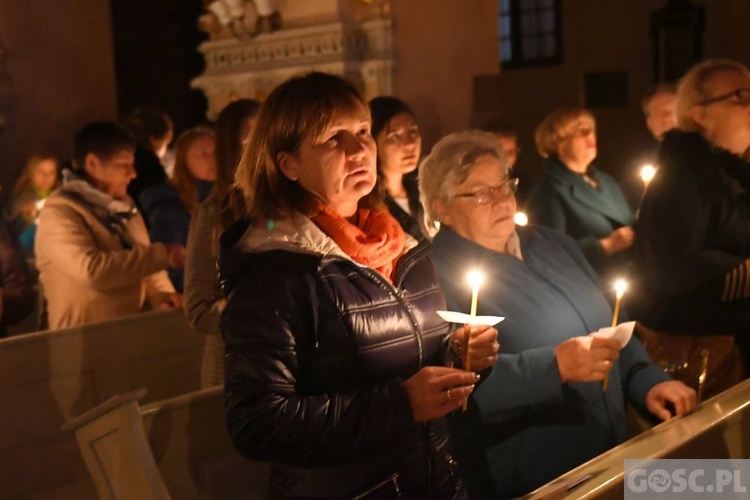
{"x":542,"y":411}
{"x":693,"y":231}
{"x":577,"y":198}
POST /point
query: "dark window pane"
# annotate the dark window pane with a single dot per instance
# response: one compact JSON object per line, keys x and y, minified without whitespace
{"x":547,"y":46}
{"x":546,"y":21}
{"x":527,"y":24}
{"x":506,"y":50}
{"x":529,"y":48}
{"x":505,"y":26}
{"x":537,"y":23}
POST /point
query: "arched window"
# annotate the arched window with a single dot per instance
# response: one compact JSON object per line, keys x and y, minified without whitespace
{"x":530,"y":32}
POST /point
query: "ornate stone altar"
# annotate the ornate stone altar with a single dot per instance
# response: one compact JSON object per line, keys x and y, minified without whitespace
{"x":351,"y":38}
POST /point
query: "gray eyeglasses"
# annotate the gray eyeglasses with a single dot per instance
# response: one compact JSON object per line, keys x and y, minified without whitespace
{"x":490,"y":194}
{"x":742,"y":96}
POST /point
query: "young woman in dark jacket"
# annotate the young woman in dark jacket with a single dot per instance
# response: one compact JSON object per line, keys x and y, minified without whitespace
{"x":399,"y":144}
{"x":334,"y":354}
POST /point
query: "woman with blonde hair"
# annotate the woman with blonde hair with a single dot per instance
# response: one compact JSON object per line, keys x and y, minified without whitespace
{"x":334,"y":352}
{"x":169,"y":207}
{"x":39,"y":178}
{"x":204,"y":300}
{"x":576,"y":197}
{"x":693,"y":231}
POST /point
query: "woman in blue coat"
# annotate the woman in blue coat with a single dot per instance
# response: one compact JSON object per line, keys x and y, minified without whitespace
{"x":169,"y":207}
{"x":577,"y":198}
{"x":542,"y":411}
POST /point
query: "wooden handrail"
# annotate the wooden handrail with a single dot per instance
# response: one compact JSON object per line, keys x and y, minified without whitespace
{"x":599,"y":476}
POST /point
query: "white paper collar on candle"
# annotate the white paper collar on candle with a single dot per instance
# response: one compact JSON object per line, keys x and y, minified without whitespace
{"x":468,"y":319}
{"x":621,"y":333}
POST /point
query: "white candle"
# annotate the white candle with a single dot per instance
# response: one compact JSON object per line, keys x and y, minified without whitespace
{"x":475,"y":279}
{"x":620,"y":287}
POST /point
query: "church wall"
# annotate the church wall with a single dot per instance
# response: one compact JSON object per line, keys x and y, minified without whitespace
{"x":608,"y":35}
{"x":439,"y":47}
{"x":60,"y":74}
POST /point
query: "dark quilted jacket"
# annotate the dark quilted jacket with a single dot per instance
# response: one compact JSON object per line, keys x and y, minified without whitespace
{"x":317,"y":349}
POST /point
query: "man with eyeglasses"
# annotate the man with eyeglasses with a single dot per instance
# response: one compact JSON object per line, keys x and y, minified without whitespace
{"x":693,"y":232}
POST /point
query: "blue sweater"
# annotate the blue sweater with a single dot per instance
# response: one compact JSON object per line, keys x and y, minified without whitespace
{"x":168,"y":221}
{"x":524,"y":427}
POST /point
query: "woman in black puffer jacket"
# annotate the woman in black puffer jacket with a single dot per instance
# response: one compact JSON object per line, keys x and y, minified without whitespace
{"x":334,"y":354}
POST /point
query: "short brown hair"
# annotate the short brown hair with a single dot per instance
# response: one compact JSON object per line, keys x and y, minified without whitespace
{"x":302,"y":106}
{"x":553,"y":128}
{"x":692,"y":89}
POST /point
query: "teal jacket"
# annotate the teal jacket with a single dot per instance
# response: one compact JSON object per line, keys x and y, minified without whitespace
{"x":562,"y":200}
{"x":524,"y":427}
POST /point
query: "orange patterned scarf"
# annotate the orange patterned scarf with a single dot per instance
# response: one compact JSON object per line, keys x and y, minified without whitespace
{"x":377,"y":240}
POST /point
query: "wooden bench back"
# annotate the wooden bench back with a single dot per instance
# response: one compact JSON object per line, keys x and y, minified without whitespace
{"x":177,"y":448}
{"x":47,"y":378}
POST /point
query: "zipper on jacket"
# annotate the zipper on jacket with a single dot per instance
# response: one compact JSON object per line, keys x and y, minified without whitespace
{"x":406,"y":263}
{"x":392,"y":291}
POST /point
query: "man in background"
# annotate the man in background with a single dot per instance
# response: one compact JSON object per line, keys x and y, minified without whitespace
{"x":95,"y":260}
{"x":507,"y":138}
{"x":658,"y":107}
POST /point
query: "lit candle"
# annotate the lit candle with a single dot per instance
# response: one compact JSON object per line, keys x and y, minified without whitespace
{"x":475,"y":279}
{"x":647,"y":174}
{"x":620,"y":287}
{"x":521,"y":219}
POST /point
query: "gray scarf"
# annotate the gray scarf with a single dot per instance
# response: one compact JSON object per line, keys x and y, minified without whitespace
{"x":113,"y":214}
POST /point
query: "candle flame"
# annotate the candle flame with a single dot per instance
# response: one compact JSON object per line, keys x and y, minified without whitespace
{"x":521,"y":219}
{"x":476,"y":278}
{"x":620,"y":287}
{"x":647,"y":173}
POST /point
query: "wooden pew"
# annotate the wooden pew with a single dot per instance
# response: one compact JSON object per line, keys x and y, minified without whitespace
{"x":719,"y":428}
{"x":47,"y":378}
{"x":177,"y":448}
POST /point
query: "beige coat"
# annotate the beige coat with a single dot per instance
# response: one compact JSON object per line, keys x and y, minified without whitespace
{"x":204,"y":300}
{"x":86,"y":275}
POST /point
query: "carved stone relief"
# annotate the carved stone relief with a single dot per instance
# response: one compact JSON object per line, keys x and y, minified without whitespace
{"x":240,"y":66}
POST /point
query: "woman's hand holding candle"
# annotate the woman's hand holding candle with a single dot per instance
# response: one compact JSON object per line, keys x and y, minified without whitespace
{"x":478,"y":349}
